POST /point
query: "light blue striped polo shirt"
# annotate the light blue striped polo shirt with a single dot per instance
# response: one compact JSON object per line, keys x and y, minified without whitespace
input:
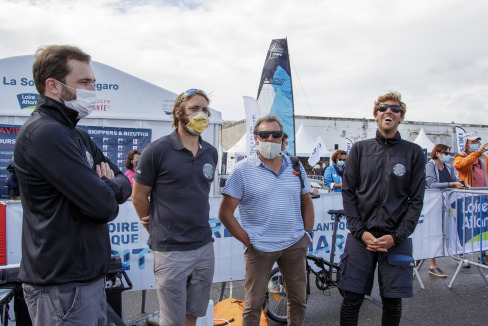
{"x":269,"y":205}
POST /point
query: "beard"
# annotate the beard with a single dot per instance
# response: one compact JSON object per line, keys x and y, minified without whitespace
{"x":184,"y":120}
{"x":67,"y":94}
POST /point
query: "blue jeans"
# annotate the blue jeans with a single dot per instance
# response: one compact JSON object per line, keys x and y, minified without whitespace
{"x":67,"y":304}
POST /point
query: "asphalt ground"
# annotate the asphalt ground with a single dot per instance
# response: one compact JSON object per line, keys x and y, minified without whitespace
{"x":465,"y":303}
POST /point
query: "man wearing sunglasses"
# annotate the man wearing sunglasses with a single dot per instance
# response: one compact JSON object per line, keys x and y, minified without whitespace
{"x":269,"y":194}
{"x":382,"y":191}
{"x":177,"y":171}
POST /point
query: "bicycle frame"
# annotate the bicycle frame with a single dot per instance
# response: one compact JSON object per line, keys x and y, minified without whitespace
{"x":324,"y":278}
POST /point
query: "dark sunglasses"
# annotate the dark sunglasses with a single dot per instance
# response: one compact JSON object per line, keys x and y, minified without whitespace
{"x":341,"y":159}
{"x":192,"y":91}
{"x":265,"y":134}
{"x":394,"y":108}
{"x":446,"y":153}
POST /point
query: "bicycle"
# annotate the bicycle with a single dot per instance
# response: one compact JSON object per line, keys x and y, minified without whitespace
{"x":275,"y":305}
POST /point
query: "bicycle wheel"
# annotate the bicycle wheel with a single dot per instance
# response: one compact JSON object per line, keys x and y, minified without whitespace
{"x":275,"y":306}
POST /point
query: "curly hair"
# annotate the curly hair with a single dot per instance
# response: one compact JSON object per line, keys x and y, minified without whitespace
{"x":130,"y":157}
{"x":391,"y":96}
{"x":336,"y":155}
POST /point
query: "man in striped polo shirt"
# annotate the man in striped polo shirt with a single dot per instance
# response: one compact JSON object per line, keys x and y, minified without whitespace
{"x":268,"y":192}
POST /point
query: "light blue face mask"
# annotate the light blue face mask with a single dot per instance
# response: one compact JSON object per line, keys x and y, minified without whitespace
{"x":474,"y":147}
{"x":341,"y":163}
{"x":445,"y":159}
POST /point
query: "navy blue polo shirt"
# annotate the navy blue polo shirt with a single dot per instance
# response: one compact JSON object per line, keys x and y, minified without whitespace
{"x":179,"y":205}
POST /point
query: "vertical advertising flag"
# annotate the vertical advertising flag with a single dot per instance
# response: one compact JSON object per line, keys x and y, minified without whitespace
{"x":459,"y":138}
{"x":252,"y":113}
{"x":348,"y":145}
{"x":319,"y":150}
{"x":275,"y":93}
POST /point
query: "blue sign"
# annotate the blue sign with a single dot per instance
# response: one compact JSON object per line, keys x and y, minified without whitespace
{"x":475,"y":222}
{"x":115,"y":143}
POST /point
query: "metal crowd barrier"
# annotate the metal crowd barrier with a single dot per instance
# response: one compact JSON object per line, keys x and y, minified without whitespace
{"x":465,"y":221}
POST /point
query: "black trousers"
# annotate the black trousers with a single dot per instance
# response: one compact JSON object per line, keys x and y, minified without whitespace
{"x":392,"y":310}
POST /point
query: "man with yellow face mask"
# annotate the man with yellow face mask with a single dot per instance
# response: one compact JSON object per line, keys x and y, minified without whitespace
{"x":177,"y":171}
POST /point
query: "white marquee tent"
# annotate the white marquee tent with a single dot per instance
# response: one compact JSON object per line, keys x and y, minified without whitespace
{"x":124,"y":101}
{"x":423,"y":141}
{"x":304,"y":142}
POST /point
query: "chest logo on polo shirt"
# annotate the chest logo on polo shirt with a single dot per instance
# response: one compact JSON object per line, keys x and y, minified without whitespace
{"x":89,"y":159}
{"x":208,"y":171}
{"x":399,"y":169}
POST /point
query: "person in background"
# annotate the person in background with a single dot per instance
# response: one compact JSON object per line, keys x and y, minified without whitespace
{"x":131,"y":164}
{"x":317,"y":170}
{"x":472,"y":166}
{"x":284,"y":144}
{"x":440,"y":175}
{"x":333,"y":174}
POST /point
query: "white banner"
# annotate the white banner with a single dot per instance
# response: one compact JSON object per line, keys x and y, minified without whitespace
{"x":129,"y":238}
{"x":427,"y":238}
{"x":459,"y":139}
{"x":348,"y":145}
{"x":252,"y":114}
{"x":319,"y":150}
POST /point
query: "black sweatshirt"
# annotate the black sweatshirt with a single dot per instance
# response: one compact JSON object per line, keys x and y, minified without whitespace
{"x":66,"y":205}
{"x":383,"y":187}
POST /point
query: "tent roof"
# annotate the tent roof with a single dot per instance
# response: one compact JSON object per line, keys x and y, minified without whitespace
{"x":423,"y":141}
{"x":304,"y":142}
{"x":240,"y":147}
{"x":120,"y":95}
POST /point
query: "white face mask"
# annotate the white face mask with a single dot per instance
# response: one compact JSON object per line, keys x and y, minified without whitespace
{"x":269,"y":150}
{"x":84,"y":103}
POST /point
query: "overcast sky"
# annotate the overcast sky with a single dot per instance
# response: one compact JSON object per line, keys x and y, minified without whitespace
{"x":344,"y":53}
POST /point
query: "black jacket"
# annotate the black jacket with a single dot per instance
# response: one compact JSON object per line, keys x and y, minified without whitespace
{"x":383,"y":187}
{"x":66,"y":206}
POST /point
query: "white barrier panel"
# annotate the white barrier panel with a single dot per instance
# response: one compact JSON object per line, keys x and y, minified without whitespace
{"x":428,"y":239}
{"x":129,"y":238}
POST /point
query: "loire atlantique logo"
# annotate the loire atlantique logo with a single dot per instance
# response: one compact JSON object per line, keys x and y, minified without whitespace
{"x":27,"y":100}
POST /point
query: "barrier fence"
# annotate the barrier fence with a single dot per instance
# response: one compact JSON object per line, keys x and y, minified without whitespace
{"x":128,"y":237}
{"x":466,"y":227}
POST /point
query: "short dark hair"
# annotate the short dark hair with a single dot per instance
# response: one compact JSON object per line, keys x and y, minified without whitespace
{"x":438,"y":148}
{"x":130,"y":157}
{"x":52,"y":62}
{"x":336,"y":155}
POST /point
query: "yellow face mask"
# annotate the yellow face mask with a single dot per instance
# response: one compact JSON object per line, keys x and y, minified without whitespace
{"x":198,"y":123}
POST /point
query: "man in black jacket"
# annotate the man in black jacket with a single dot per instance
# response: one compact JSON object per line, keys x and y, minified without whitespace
{"x":70,"y":191}
{"x":382,"y":191}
